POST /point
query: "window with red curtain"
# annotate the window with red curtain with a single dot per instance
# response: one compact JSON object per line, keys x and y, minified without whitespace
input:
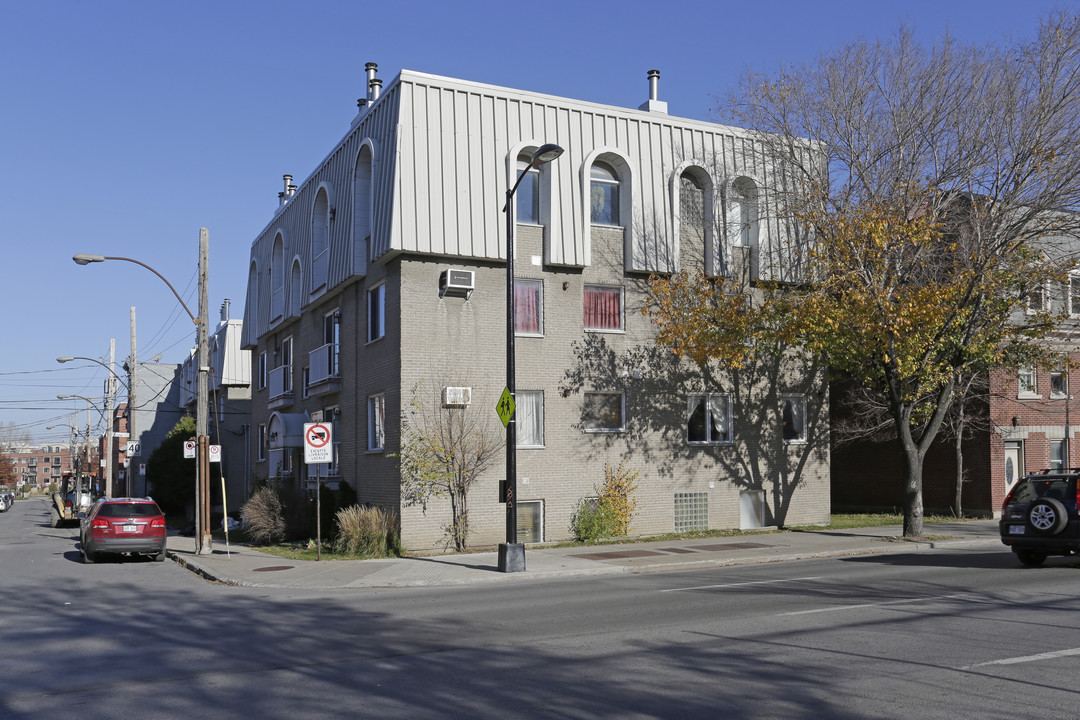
{"x":603,"y":308}
{"x":528,"y":307}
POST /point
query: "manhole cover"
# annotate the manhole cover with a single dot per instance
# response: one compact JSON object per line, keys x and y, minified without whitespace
{"x":273,"y":568}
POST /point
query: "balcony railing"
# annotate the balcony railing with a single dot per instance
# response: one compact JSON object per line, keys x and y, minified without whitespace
{"x":323,"y":362}
{"x":280,"y":384}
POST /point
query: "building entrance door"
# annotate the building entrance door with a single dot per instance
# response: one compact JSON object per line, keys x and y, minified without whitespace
{"x":1014,"y":462}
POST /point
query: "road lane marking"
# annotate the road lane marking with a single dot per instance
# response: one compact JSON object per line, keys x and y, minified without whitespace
{"x":1026,"y":658}
{"x":731,"y":585}
{"x":903,"y":601}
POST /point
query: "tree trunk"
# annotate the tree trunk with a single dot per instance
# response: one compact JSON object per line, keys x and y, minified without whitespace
{"x":913,"y":498}
{"x":959,"y":450}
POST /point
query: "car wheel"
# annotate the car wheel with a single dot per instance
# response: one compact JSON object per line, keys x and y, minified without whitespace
{"x":87,"y":557}
{"x":55,"y":519}
{"x":1046,"y":516}
{"x":1030,"y":558}
{"x":160,"y":557}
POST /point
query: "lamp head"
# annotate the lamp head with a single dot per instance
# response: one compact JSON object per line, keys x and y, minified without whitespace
{"x":546,"y":153}
{"x":86,"y":258}
{"x":64,"y":359}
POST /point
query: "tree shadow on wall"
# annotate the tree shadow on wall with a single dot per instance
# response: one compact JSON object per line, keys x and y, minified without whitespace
{"x":657,"y":385}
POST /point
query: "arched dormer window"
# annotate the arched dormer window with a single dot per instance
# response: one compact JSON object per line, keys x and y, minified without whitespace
{"x":696,"y":224}
{"x":277,"y":278}
{"x":295,"y":289}
{"x":320,"y":239}
{"x":604,"y":195}
{"x":363,"y":212}
{"x":744,"y":212}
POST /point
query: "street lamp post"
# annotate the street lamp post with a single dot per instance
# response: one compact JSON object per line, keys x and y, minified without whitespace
{"x":203,"y":537}
{"x":89,"y":403}
{"x":111,"y":393}
{"x":511,"y":552}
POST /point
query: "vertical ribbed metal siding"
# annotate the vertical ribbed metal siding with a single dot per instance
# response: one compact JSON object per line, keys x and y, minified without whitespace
{"x":440,"y":176}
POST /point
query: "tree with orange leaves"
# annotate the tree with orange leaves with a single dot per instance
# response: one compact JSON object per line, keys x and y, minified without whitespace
{"x":939,"y":188}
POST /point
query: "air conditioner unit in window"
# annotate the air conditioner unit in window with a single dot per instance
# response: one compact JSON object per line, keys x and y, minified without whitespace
{"x":456,"y":396}
{"x":456,"y":283}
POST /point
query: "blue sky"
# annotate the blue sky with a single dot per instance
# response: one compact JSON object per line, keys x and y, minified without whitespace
{"x":125,"y":126}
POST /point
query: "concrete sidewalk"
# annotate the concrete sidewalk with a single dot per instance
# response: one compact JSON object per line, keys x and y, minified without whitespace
{"x":245,"y":566}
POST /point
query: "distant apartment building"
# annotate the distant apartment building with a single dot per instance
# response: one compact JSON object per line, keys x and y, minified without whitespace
{"x":228,"y":403}
{"x":39,"y":465}
{"x":154,"y":409}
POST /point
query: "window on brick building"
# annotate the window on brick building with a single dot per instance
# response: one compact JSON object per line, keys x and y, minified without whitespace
{"x":793,"y":415}
{"x":708,"y":419}
{"x":1059,"y":384}
{"x":1057,"y":455}
{"x":1026,"y":382}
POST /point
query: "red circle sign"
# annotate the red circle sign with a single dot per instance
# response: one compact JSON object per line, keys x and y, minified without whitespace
{"x":318,"y":436}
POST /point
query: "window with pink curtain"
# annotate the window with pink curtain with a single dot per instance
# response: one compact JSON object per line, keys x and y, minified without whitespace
{"x":603,"y":308}
{"x":528,"y":308}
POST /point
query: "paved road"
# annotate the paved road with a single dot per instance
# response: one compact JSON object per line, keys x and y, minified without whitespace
{"x":946,"y":633}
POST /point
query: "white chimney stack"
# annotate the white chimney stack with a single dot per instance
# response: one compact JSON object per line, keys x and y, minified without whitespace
{"x":654,"y":104}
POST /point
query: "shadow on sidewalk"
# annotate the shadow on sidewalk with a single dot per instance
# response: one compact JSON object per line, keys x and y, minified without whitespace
{"x":1003,"y":560}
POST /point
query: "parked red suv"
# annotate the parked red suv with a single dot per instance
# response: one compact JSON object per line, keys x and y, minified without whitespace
{"x":123,"y":525}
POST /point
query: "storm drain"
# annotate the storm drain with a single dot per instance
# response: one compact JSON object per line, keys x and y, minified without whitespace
{"x":273,"y":568}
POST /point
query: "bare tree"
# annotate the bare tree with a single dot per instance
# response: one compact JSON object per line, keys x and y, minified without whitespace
{"x":444,"y":450}
{"x":923,"y":169}
{"x":11,"y":436}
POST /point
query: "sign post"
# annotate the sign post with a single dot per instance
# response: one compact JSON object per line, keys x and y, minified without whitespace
{"x":318,"y":448}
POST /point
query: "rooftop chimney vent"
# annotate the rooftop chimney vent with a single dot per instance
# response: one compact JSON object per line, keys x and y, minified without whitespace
{"x":654,"y":104}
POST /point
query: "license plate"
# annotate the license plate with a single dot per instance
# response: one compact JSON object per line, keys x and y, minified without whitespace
{"x":1016,"y":529}
{"x":129,"y":528}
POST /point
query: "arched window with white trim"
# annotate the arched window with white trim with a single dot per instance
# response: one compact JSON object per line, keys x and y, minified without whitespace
{"x":604,"y":195}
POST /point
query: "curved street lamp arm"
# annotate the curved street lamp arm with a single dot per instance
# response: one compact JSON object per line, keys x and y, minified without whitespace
{"x":69,"y":358}
{"x":86,"y":259}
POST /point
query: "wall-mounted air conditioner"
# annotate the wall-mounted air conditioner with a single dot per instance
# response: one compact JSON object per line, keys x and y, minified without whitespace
{"x":456,"y":396}
{"x":456,"y":283}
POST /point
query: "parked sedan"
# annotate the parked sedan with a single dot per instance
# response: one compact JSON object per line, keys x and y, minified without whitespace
{"x":133,"y":526}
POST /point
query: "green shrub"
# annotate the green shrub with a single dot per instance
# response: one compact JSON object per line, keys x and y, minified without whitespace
{"x":608,"y":514}
{"x":367,"y":531}
{"x":265,"y":516}
{"x":593,"y":520}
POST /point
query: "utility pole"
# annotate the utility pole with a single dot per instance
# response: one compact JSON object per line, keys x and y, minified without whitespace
{"x":203,"y":538}
{"x":110,"y":394}
{"x":133,"y":435}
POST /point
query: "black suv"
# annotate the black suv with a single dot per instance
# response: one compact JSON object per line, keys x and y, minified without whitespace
{"x":1039,"y":516}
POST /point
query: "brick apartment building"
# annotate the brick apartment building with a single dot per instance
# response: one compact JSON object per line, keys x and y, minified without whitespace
{"x":38,"y":466}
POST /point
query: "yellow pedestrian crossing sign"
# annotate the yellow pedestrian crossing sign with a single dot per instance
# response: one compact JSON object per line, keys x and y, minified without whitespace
{"x":506,"y":406}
